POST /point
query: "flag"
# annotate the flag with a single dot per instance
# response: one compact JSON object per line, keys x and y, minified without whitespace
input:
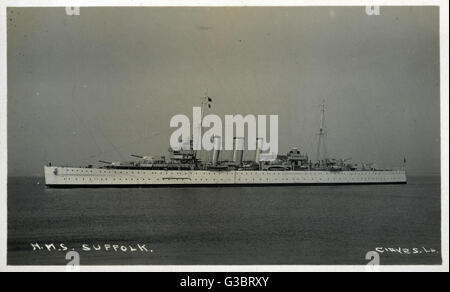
{"x":209,"y":99}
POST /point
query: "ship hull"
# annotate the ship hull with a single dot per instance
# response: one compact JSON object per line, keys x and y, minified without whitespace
{"x":100,"y":177}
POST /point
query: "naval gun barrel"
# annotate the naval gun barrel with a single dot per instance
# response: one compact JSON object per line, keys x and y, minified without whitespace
{"x":137,"y":156}
{"x":106,"y":162}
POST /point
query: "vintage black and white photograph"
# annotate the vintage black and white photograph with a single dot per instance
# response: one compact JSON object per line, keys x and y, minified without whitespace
{"x":224,"y":136}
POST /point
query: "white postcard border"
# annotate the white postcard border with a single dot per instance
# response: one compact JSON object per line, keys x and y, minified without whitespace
{"x":444,"y":51}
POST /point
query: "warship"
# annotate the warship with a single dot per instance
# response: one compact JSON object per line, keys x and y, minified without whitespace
{"x":185,"y":168}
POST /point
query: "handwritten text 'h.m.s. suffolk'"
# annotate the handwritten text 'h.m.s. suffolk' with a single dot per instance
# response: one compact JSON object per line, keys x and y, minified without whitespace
{"x":105,"y":247}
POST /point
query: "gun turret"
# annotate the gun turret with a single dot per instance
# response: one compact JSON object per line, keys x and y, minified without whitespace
{"x":148,"y":158}
{"x":111,"y":163}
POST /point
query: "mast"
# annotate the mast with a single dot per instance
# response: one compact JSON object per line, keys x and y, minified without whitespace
{"x":206,"y":103}
{"x":321,"y":146}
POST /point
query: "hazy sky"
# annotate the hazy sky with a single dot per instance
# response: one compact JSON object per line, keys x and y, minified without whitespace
{"x":105,"y":84}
